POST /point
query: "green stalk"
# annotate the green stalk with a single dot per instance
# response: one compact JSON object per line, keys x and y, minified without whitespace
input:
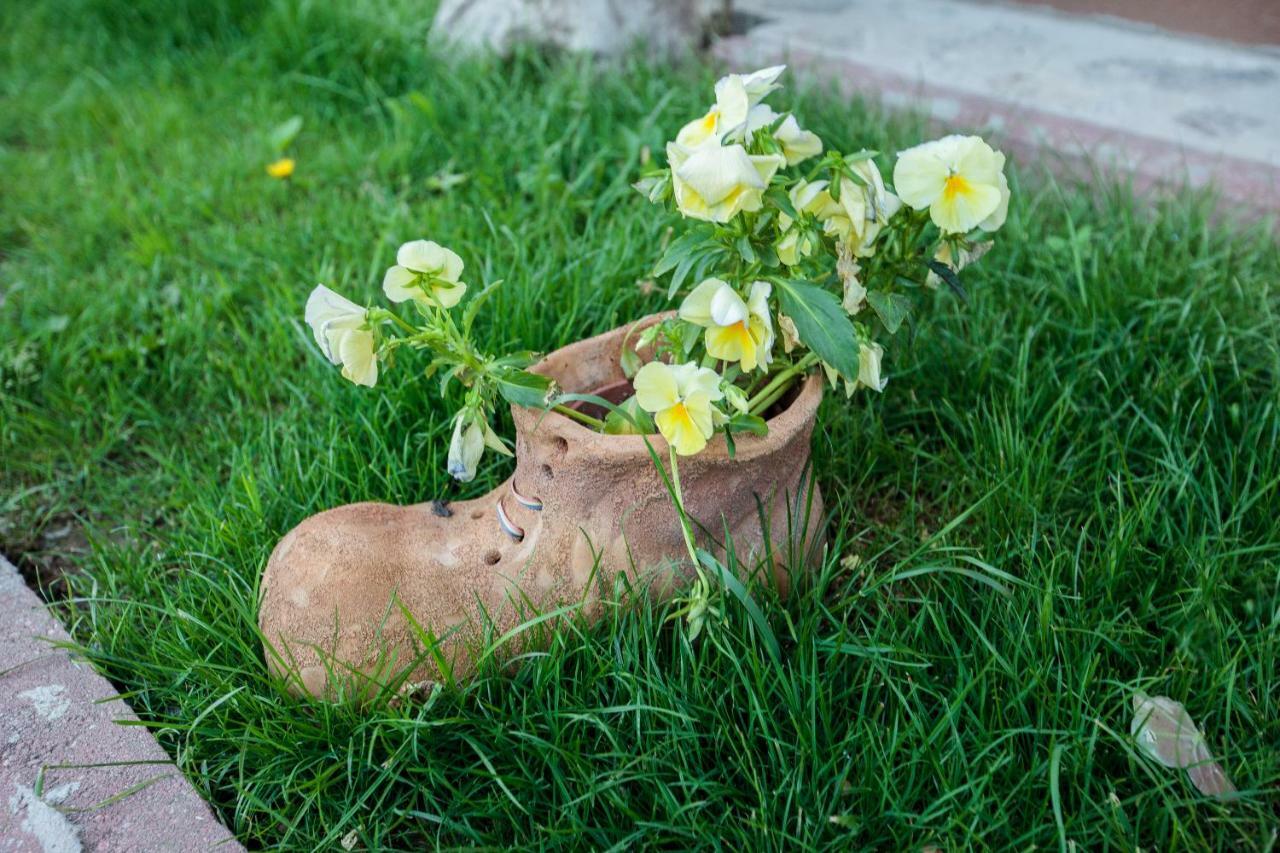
{"x":685,"y":527}
{"x":580,"y":417}
{"x":778,"y":386}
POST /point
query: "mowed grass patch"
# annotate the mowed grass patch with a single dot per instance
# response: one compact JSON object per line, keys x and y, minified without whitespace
{"x":1067,"y":492}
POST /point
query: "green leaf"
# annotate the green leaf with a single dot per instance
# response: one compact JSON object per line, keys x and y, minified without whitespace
{"x":677,"y":251}
{"x":948,"y":275}
{"x":630,"y":362}
{"x":285,"y":132}
{"x":782,"y":201}
{"x":629,"y":419}
{"x":892,"y":308}
{"x":821,"y":323}
{"x":474,"y":304}
{"x":753,"y":424}
{"x":740,"y":592}
{"x":743,"y":245}
{"x":522,"y":388}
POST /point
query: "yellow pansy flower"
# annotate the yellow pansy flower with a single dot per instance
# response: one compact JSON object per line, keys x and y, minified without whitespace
{"x":738,"y":99}
{"x":281,"y":168}
{"x":863,"y":210}
{"x":958,"y":178}
{"x":869,"y":359}
{"x":715,"y":183}
{"x":869,"y":375}
{"x":737,"y":330}
{"x":341,"y":329}
{"x":797,"y":144}
{"x":427,"y":272}
{"x":680,"y":397}
{"x":806,"y":197}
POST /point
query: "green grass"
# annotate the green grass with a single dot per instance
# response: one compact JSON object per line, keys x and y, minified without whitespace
{"x":1100,"y":423}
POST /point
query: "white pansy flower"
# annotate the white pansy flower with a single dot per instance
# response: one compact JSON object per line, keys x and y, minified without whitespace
{"x":342,"y":330}
{"x":715,"y":183}
{"x":427,"y":272}
{"x":471,"y":435}
{"x":797,"y":144}
{"x":995,"y":221}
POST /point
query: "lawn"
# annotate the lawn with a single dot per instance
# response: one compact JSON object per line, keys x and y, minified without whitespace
{"x":1099,"y":422}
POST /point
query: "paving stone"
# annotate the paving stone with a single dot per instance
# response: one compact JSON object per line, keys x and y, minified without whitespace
{"x":1167,"y":109}
{"x":74,"y":775}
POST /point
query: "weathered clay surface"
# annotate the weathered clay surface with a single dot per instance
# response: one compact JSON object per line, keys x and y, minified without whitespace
{"x":604,"y":27}
{"x":340,"y":588}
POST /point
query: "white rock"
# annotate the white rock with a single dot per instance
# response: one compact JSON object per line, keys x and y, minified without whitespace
{"x":603,"y":27}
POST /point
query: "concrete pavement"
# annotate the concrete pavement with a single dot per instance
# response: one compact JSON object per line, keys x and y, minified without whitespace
{"x":72,"y":777}
{"x":1169,"y":109}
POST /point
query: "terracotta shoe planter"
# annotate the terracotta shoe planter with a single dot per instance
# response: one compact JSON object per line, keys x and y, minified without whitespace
{"x":580,"y":508}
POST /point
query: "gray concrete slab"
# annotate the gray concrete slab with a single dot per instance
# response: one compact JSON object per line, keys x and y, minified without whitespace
{"x":73,"y":774}
{"x":1168,"y":108}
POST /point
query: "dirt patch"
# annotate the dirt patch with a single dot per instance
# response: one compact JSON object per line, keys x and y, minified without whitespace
{"x":48,"y":556}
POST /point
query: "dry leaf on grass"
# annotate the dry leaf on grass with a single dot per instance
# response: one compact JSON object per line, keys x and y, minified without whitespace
{"x":1166,"y":733}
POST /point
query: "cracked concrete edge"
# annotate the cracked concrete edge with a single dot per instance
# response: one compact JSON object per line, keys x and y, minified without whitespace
{"x":1073,"y":146}
{"x":77,"y":772}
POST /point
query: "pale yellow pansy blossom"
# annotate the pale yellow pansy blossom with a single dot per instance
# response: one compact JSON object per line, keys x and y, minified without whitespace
{"x":957,"y":178}
{"x":471,"y":435}
{"x":716,"y":183}
{"x":736,"y":330}
{"x":869,"y":362}
{"x":426,"y":272}
{"x":735,"y":112}
{"x":995,"y":221}
{"x":341,"y":328}
{"x":806,"y":197}
{"x":864,"y":209}
{"x":790,"y":335}
{"x":854,"y":295}
{"x":797,"y":144}
{"x":870,"y":357}
{"x":680,"y":398}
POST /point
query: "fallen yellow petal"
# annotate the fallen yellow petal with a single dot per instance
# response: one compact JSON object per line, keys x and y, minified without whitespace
{"x":282,"y":168}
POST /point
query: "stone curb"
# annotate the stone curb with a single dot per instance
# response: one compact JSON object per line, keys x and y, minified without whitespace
{"x":76,"y":771}
{"x":1088,"y":121}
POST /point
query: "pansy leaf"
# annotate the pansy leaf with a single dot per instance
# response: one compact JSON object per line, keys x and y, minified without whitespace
{"x":522,"y":388}
{"x":892,"y":308}
{"x":475,"y":302}
{"x":629,"y":419}
{"x":753,"y":424}
{"x":821,"y":323}
{"x":948,"y":275}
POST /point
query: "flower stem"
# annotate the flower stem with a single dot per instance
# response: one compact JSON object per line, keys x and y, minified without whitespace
{"x":771,"y":393}
{"x":685,"y":527}
{"x":580,"y":417}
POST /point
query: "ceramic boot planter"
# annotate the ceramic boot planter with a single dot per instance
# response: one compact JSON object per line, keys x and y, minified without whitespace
{"x":580,"y":508}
